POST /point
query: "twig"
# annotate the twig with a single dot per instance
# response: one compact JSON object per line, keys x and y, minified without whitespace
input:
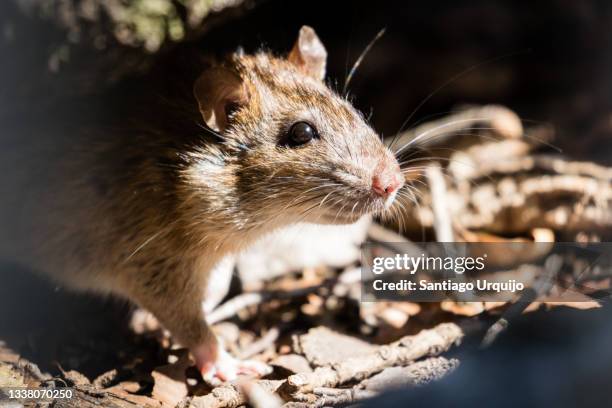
{"x":260,"y":345}
{"x":401,"y":352}
{"x":392,"y":239}
{"x":32,"y":370}
{"x":329,"y":397}
{"x":419,"y":373}
{"x":542,"y":285}
{"x":232,"y":306}
{"x":439,"y":199}
{"x":229,"y":395}
{"x":379,"y":233}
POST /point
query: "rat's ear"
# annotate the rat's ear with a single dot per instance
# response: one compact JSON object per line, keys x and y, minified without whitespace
{"x":219,"y":92}
{"x":309,"y":53}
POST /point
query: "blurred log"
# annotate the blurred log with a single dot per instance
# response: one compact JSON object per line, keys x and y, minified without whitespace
{"x":501,"y":186}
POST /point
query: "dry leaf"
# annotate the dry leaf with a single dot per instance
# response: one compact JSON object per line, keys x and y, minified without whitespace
{"x":170,"y":380}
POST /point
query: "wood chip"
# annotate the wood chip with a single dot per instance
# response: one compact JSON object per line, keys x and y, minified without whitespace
{"x":323,"y":347}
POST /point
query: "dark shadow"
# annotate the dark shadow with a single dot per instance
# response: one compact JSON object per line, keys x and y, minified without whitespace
{"x":558,"y":358}
{"x":50,"y":325}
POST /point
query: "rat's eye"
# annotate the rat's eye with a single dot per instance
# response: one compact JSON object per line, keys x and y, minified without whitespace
{"x":301,"y":133}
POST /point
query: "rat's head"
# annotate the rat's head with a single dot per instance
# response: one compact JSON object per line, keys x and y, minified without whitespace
{"x":297,"y":149}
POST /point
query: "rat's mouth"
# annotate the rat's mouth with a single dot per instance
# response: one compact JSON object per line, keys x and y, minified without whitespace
{"x":348,"y":204}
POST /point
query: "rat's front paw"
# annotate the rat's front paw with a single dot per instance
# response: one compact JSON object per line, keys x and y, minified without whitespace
{"x":220,"y":365}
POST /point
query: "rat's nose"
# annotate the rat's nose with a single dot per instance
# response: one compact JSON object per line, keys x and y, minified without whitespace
{"x":386,"y":183}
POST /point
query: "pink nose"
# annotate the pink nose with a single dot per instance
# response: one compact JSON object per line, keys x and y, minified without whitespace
{"x":385,"y":184}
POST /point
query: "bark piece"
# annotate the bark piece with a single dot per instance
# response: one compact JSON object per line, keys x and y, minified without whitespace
{"x":427,"y":342}
{"x":228,"y":395}
{"x":326,"y":397}
{"x":293,"y":363}
{"x":416,"y":374}
{"x":264,"y":343}
{"x":106,"y":379}
{"x":324,"y":347}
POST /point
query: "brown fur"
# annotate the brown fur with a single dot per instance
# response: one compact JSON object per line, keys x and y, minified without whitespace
{"x":146,"y":211}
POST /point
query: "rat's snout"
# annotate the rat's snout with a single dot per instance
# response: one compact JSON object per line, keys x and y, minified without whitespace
{"x":387,"y":180}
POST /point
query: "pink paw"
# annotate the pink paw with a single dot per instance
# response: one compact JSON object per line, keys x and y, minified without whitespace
{"x":227,"y":368}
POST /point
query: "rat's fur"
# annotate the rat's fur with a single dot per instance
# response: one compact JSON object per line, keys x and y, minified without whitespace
{"x":145,"y":212}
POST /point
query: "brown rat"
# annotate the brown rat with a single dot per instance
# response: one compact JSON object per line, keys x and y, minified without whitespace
{"x":147,"y":215}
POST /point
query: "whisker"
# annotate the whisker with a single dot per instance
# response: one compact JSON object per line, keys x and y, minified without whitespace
{"x":308,"y":191}
{"x":463,"y":132}
{"x":448,"y":177}
{"x":147,"y":241}
{"x":455,"y":78}
{"x":360,"y":59}
{"x":414,"y":200}
{"x":325,"y":198}
{"x":429,"y":131}
{"x":340,"y":211}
